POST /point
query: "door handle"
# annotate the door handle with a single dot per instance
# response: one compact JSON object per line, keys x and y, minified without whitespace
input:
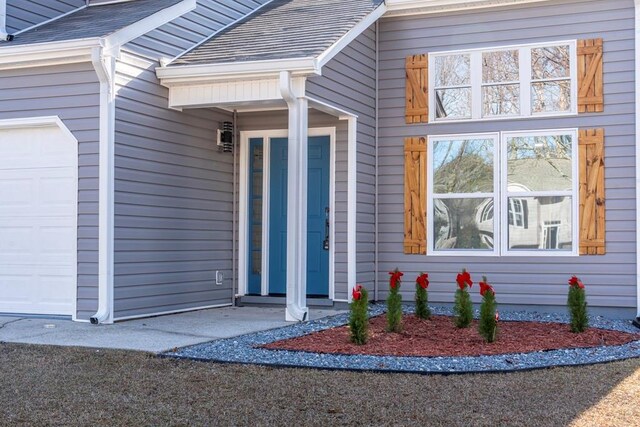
{"x":325,"y":242}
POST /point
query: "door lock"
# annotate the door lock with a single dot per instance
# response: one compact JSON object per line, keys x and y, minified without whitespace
{"x":325,"y":242}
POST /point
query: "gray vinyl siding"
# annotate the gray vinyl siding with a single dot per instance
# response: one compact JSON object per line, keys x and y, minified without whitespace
{"x":72,"y":93}
{"x":348,"y":82}
{"x":22,"y":14}
{"x":278,"y":120}
{"x":183,"y":33}
{"x":174,"y":190}
{"x":611,"y":279}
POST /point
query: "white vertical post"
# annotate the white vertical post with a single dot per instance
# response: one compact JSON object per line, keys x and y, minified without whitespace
{"x":296,"y":199}
{"x":352,"y":203}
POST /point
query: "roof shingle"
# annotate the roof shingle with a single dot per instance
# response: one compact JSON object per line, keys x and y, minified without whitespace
{"x":282,"y":29}
{"x":92,"y":21}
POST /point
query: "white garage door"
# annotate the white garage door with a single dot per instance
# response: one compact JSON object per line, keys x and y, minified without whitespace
{"x":38,"y":211}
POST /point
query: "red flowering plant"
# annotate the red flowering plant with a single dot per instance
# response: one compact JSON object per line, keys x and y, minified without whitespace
{"x":488,"y":323}
{"x":359,"y":316}
{"x":577,"y":304}
{"x":463,"y":307}
{"x":422,"y":297}
{"x":394,"y":302}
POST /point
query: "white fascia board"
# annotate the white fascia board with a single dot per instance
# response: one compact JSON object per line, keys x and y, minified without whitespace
{"x":351,"y":35}
{"x":249,"y":70}
{"x":420,"y":7}
{"x":151,"y":22}
{"x":45,"y":54}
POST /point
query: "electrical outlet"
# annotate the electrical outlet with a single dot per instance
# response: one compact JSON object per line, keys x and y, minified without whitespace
{"x":219,"y":277}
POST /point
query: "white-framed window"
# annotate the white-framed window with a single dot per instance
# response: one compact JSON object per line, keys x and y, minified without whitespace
{"x":508,"y":193}
{"x":463,"y":172}
{"x":503,"y":82}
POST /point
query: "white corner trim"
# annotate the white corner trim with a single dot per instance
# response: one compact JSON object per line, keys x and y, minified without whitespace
{"x":248,"y":70}
{"x":105,"y":69}
{"x":352,"y":203}
{"x":637,"y":144}
{"x":421,"y":7}
{"x":351,"y":35}
{"x":149,"y":23}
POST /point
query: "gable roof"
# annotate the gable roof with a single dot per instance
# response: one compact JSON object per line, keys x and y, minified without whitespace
{"x":282,"y":29}
{"x":91,"y":22}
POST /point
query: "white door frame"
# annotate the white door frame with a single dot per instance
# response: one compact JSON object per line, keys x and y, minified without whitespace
{"x":243,"y":230}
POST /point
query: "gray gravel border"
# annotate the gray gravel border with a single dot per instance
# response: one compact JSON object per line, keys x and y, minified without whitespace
{"x":243,"y":349}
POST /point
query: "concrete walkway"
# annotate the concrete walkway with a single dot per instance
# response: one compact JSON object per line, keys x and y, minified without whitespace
{"x":156,"y":334}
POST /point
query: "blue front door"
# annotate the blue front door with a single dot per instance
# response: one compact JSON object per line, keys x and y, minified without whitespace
{"x":317,"y":217}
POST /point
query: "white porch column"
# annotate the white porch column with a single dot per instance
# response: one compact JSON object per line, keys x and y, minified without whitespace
{"x":296,"y":197}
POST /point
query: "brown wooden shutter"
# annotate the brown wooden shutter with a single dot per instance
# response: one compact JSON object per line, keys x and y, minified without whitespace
{"x":590,"y":87}
{"x":415,"y":195}
{"x":592,"y":201}
{"x":417,"y":109}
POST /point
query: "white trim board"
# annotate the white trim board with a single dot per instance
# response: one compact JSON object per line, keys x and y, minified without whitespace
{"x":243,"y":245}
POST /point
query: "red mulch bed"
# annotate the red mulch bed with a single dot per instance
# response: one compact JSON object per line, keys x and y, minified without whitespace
{"x":439,"y":337}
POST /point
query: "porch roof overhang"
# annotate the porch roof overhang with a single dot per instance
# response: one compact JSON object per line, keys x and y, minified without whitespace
{"x":248,"y":83}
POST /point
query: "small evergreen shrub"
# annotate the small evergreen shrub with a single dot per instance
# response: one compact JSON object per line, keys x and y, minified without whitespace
{"x":577,"y":304}
{"x":394,"y":302}
{"x":422,"y":297}
{"x":359,"y":316}
{"x":488,"y":324}
{"x":463,"y":307}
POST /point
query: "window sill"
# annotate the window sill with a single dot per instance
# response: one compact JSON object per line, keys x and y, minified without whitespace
{"x":499,"y":119}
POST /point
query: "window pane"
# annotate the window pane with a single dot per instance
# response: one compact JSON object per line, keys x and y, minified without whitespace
{"x":256,"y":262}
{"x":550,"y":62}
{"x":256,"y":184}
{"x":539,"y":163}
{"x":500,"y":100}
{"x":256,"y":236}
{"x":459,"y":224}
{"x":463,"y":166}
{"x":257,"y":157}
{"x":453,"y":103}
{"x":551,"y":96}
{"x":540,"y":223}
{"x":501,"y":66}
{"x":452,"y":70}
